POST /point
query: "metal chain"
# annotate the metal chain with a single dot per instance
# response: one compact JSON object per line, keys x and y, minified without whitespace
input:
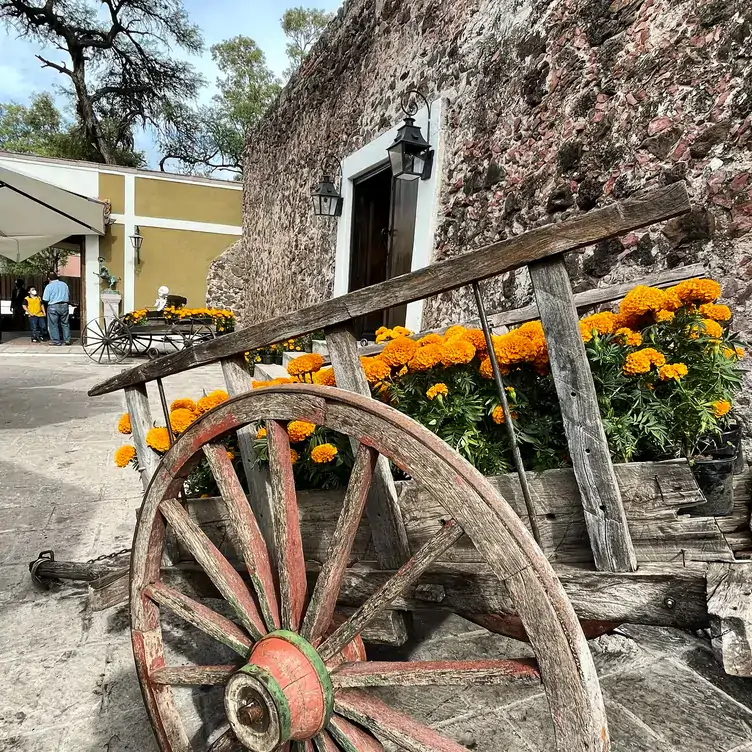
{"x":105,"y":557}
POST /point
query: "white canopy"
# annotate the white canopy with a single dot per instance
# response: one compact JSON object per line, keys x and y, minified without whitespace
{"x":35,"y":215}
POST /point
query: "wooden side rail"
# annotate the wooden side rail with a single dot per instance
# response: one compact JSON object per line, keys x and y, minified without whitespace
{"x":617,"y":219}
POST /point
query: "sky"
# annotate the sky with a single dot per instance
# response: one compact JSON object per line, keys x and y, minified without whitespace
{"x":21,"y":75}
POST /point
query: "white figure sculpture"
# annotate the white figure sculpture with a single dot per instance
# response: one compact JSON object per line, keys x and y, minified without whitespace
{"x":161,"y":301}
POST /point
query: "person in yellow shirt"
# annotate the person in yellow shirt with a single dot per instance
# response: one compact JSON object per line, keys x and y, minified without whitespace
{"x":34,"y":308}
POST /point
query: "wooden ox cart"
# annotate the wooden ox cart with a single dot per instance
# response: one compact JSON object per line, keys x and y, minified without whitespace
{"x":303,"y":577}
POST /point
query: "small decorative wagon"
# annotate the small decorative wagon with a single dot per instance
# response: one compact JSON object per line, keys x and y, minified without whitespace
{"x":280,"y":590}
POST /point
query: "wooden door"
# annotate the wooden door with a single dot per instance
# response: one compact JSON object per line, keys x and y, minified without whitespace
{"x":401,"y":237}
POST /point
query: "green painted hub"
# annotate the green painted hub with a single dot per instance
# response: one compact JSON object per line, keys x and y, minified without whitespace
{"x":280,"y":701}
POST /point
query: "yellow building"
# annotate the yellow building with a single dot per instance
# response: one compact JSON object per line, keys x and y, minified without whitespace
{"x":185,"y":223}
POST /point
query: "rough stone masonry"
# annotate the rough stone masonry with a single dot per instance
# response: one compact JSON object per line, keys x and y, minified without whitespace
{"x":554,"y":108}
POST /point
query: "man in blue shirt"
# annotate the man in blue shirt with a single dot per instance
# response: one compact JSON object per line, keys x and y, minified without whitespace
{"x":57,"y":297}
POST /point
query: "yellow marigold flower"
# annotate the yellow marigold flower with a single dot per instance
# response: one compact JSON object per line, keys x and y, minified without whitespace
{"x":698,"y":290}
{"x":721,"y":408}
{"x":325,"y":377}
{"x":656,"y":358}
{"x":181,"y":418}
{"x":430,"y":339}
{"x":437,"y":390}
{"x":673,"y":301}
{"x":498,"y":415}
{"x":641,"y":300}
{"x":230,"y":455}
{"x":641,"y":361}
{"x":401,"y":331}
{"x":211,"y":400}
{"x":382,"y":330}
{"x":456,"y":352}
{"x":309,"y":363}
{"x":455,"y":331}
{"x":486,"y":368}
{"x":323,"y":453}
{"x":628,"y":337}
{"x":662,"y":316}
{"x":708,"y":327}
{"x":299,"y":430}
{"x":585,"y":332}
{"x":124,"y":455}
{"x":383,"y":334}
{"x":158,"y":439}
{"x":426,"y":357}
{"x":403,"y":371}
{"x":739,"y":351}
{"x":532,"y":330}
{"x":183,"y":404}
{"x":375,"y":369}
{"x":513,"y":348}
{"x":624,"y":321}
{"x":399,"y":351}
{"x":124,"y":424}
{"x":478,"y":339}
{"x":294,"y":456}
{"x":673,"y":371}
{"x":261,"y":433}
{"x":715,"y":311}
{"x":602,"y":323}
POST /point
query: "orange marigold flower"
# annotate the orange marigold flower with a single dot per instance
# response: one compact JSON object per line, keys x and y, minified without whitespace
{"x":457,"y":351}
{"x":430,"y":339}
{"x":401,"y":331}
{"x":585,"y":332}
{"x":403,"y":371}
{"x":124,"y":424}
{"x":455,"y":331}
{"x":663,"y":316}
{"x":478,"y":339}
{"x":323,"y":453}
{"x":641,"y":300}
{"x":294,"y":456}
{"x":601,"y":323}
{"x":124,"y":455}
{"x":624,"y":321}
{"x":721,"y":408}
{"x":531,"y":329}
{"x":325,"y":377}
{"x":698,"y":290}
{"x":375,"y":369}
{"x":708,"y":327}
{"x":715,"y":311}
{"x":656,"y":358}
{"x":261,"y":433}
{"x":739,"y":351}
{"x":383,"y":334}
{"x":399,"y":351}
{"x":426,"y":357}
{"x":158,"y":439}
{"x":628,"y":337}
{"x":299,"y":430}
{"x":673,"y":301}
{"x":498,"y":415}
{"x":437,"y":390}
{"x":308,"y":363}
{"x":641,"y":361}
{"x":212,"y":400}
{"x":181,"y":418}
{"x":183,"y":404}
{"x":675,"y":371}
{"x":230,"y":455}
{"x":513,"y":348}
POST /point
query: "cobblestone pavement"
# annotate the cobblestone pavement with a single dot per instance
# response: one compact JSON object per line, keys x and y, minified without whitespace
{"x":68,"y":682}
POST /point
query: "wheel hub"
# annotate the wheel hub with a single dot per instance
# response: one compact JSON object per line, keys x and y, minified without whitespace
{"x":283,"y":693}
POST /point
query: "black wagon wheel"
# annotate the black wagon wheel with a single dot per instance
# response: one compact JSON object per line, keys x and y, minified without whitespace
{"x":142,"y":341}
{"x":107,"y":343}
{"x":195,"y":332}
{"x":294,"y":674}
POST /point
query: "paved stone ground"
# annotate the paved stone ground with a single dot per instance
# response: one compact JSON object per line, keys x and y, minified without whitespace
{"x":68,"y":682}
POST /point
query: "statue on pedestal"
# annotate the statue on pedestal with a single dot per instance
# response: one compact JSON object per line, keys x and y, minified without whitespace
{"x":105,"y":276}
{"x":161,"y":300}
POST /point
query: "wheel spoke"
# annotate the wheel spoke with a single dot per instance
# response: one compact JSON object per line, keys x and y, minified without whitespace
{"x":405,"y":576}
{"x":190,"y":676}
{"x":324,"y":599}
{"x":287,"y":540}
{"x":228,"y":742}
{"x":351,"y":738}
{"x":392,"y":724}
{"x":245,"y":533}
{"x":220,"y":571}
{"x":434,"y":673}
{"x":200,"y":616}
{"x":306,"y":746}
{"x":324,"y":743}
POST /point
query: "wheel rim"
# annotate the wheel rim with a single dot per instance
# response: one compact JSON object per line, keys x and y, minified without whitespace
{"x":110,"y":344}
{"x":474,"y":508}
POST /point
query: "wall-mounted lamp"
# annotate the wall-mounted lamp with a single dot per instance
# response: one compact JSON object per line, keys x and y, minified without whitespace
{"x":327,"y":200}
{"x":411,"y":155}
{"x":137,"y":240}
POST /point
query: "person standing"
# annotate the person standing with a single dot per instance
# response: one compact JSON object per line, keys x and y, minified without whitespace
{"x":34,"y":308}
{"x":57,"y":297}
{"x":17,"y":297}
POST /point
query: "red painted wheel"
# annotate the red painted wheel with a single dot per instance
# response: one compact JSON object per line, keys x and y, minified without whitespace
{"x":301,"y":677}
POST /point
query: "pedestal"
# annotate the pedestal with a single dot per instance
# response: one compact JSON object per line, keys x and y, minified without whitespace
{"x":110,"y":306}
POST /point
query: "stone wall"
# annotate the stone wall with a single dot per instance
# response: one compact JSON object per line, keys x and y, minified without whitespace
{"x":554,"y":108}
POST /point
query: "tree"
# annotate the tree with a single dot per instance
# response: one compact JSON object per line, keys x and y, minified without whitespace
{"x":303,"y":27}
{"x":40,"y":128}
{"x":212,"y":138}
{"x":118,"y":64}
{"x":48,"y":260}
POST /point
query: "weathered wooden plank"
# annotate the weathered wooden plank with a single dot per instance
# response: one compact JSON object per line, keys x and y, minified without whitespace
{"x":433,"y":673}
{"x":408,"y":573}
{"x":187,"y":676}
{"x":591,"y":460}
{"x":137,"y":402}
{"x":352,"y":738}
{"x":730,"y":609}
{"x":640,"y":210}
{"x":238,"y":381}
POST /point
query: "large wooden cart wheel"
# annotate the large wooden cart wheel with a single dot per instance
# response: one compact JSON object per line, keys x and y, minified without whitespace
{"x":107,"y":343}
{"x":301,"y":680}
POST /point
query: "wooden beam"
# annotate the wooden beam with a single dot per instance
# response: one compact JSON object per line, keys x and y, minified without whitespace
{"x":640,"y":210}
{"x":591,"y":460}
{"x":137,"y":402}
{"x":730,"y":609}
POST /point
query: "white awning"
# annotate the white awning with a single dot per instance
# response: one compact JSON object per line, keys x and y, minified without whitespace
{"x":35,"y":215}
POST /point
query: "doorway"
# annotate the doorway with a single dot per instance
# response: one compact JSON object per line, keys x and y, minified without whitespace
{"x":383,"y":231}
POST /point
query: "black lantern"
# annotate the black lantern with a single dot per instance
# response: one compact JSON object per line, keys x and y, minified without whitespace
{"x":411,"y":155}
{"x":327,"y":201}
{"x":137,"y":240}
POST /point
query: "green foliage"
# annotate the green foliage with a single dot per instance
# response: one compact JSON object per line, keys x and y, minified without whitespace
{"x":48,"y":260}
{"x":302,"y":26}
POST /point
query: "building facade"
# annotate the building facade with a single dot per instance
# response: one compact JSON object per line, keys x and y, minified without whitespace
{"x":185,"y":223}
